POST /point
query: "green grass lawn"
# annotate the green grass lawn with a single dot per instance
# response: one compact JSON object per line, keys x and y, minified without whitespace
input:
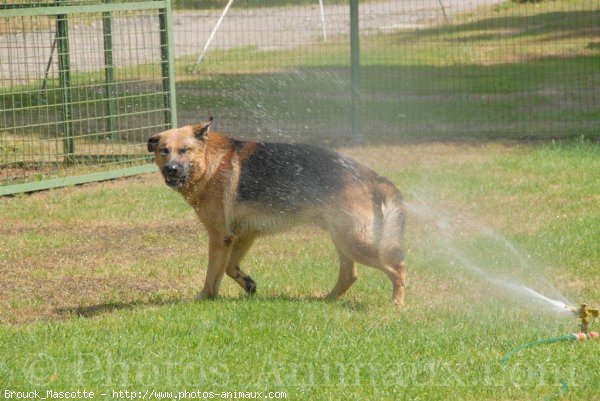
{"x":98,"y":281}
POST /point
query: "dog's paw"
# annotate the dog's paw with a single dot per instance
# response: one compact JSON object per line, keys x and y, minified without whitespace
{"x":249,"y":285}
{"x":399,"y":304}
{"x":204,"y":295}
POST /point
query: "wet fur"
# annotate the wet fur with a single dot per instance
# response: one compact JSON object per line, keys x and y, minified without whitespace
{"x":241,"y":190}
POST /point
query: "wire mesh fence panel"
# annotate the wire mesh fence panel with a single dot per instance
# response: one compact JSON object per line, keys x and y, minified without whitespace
{"x":430,"y":69}
{"x":81,"y":89}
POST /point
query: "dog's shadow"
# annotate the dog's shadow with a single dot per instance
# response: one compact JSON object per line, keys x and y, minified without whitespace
{"x":89,"y":311}
{"x":113,"y":306}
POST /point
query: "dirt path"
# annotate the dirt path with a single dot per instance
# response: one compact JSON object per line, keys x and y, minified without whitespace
{"x":283,"y":27}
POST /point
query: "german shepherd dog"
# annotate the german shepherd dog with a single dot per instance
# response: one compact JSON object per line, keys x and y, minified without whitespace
{"x":241,"y":190}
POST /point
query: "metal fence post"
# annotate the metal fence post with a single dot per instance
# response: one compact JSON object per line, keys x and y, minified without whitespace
{"x":167,"y":65}
{"x":64,"y":75}
{"x":355,"y":71}
{"x":109,"y":74}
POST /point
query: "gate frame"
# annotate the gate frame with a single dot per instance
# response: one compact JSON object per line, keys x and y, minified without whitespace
{"x":61,"y":12}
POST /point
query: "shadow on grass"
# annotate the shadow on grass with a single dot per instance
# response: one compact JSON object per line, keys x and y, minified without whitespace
{"x":556,"y":25}
{"x":89,"y":311}
{"x":114,"y":306}
{"x":542,"y":99}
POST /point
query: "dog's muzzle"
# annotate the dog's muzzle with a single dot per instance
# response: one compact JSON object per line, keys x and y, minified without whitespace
{"x":175,"y":174}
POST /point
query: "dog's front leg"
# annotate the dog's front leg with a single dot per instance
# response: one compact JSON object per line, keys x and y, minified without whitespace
{"x":220,"y":234}
{"x":219,"y":252}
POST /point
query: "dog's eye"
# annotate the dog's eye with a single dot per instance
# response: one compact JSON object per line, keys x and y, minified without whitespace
{"x":164,"y":151}
{"x":183,"y":151}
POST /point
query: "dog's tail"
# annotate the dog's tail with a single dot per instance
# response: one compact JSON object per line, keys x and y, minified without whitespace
{"x":391,"y":250}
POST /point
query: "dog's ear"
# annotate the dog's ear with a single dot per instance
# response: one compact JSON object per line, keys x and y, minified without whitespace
{"x":200,"y":130}
{"x":152,"y":142}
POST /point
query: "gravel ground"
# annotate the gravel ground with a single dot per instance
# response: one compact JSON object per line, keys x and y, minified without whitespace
{"x":136,"y":39}
{"x":281,"y":27}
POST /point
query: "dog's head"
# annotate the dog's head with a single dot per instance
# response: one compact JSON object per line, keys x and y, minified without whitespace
{"x":179,"y":152}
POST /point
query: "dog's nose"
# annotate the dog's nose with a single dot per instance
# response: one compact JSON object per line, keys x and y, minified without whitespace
{"x":171,"y":169}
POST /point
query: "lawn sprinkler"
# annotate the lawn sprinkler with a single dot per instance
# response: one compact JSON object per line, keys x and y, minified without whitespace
{"x":584,"y":313}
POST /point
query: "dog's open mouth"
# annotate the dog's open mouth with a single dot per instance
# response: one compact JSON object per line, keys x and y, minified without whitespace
{"x":175,"y":182}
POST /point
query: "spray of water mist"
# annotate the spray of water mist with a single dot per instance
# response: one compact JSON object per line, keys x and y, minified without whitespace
{"x":473,"y":246}
{"x":273,"y":120}
{"x":465,"y":242}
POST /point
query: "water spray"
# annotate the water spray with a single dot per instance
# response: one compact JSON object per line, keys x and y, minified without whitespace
{"x":584,"y":313}
{"x":452,"y":232}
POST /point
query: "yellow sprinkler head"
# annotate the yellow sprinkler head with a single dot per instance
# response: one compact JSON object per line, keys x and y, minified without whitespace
{"x":584,"y":313}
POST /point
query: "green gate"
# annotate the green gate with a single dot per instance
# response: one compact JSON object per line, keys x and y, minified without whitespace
{"x":83,"y":84}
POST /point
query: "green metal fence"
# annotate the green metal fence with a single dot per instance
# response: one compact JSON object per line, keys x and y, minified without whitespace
{"x":83,"y":84}
{"x":430,"y":69}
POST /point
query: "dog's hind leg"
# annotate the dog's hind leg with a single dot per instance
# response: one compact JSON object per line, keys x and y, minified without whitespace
{"x":347,"y":276}
{"x":397,"y":274}
{"x":240,"y":248}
